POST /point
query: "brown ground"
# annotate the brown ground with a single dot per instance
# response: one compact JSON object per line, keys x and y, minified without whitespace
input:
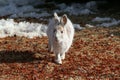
{"x":95,"y":54}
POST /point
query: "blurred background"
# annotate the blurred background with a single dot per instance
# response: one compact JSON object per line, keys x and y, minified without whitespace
{"x":82,"y":13}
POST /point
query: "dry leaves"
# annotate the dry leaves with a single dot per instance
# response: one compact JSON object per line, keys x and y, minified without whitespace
{"x":95,"y":54}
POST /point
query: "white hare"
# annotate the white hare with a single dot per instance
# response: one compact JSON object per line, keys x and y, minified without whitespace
{"x":60,"y":35}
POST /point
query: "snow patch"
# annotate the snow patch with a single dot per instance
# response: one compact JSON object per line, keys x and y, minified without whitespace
{"x":99,"y":19}
{"x":89,"y":25}
{"x":78,"y":27}
{"x":106,"y":21}
{"x":113,"y":23}
{"x":21,"y":8}
{"x":10,"y":28}
{"x":91,"y":5}
{"x":13,"y":9}
{"x":21,"y":2}
{"x":31,"y":14}
{"x":78,"y":9}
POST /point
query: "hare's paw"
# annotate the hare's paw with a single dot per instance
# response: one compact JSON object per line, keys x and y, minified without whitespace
{"x":58,"y":61}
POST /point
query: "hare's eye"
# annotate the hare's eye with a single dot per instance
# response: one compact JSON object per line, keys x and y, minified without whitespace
{"x":61,"y":31}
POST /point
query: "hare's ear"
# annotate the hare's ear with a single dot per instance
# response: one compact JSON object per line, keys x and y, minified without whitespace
{"x":56,"y":16}
{"x":63,"y":19}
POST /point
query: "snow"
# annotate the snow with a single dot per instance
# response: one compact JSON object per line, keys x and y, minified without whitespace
{"x":31,"y":14}
{"x":78,"y":9}
{"x":78,"y":27}
{"x":13,"y":9}
{"x":89,"y":25}
{"x":99,"y":19}
{"x":109,"y":24}
{"x":21,"y":8}
{"x":10,"y":28}
{"x":91,"y":5}
{"x":21,"y":2}
{"x":106,"y":21}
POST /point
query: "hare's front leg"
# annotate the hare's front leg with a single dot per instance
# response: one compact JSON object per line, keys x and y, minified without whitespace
{"x":58,"y":58}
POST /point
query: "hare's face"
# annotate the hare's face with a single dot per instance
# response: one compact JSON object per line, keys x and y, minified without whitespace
{"x":58,"y":33}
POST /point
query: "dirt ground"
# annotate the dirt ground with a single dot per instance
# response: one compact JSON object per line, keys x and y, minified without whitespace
{"x":94,"y":55}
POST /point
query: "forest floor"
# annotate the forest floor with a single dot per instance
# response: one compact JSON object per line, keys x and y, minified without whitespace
{"x":95,"y":54}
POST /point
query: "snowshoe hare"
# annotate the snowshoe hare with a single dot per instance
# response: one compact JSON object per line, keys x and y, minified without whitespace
{"x":60,"y":34}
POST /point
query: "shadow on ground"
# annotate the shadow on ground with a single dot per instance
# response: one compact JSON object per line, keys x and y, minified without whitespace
{"x":22,"y":56}
{"x":16,"y":56}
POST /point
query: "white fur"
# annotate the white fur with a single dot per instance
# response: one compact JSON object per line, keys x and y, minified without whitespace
{"x":65,"y":39}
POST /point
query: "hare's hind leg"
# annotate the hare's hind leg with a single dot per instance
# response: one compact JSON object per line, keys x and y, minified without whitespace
{"x":62,"y":56}
{"x":50,"y":47}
